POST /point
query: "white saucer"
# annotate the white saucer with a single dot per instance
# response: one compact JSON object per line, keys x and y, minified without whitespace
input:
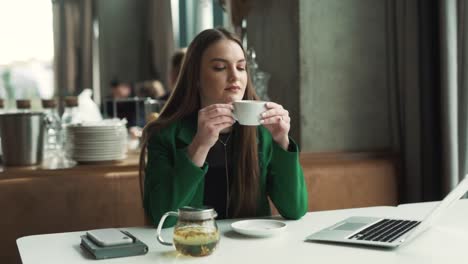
{"x":259,"y":227}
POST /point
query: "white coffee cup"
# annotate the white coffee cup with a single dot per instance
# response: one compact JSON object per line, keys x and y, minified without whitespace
{"x":248,"y":112}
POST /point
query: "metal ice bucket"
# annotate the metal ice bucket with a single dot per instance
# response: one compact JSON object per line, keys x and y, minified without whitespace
{"x":22,"y":138}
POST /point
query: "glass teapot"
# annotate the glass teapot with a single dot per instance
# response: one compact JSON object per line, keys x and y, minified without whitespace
{"x":195,"y":234}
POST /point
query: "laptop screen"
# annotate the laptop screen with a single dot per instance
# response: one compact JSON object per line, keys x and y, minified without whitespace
{"x":440,"y":209}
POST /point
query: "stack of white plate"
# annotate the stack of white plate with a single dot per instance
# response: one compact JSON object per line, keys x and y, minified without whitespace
{"x":105,"y":140}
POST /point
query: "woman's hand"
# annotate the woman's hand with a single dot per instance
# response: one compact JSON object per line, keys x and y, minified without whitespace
{"x":211,"y":120}
{"x":276,"y":119}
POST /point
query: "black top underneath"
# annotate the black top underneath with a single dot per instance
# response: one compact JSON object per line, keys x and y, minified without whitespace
{"x":215,"y":179}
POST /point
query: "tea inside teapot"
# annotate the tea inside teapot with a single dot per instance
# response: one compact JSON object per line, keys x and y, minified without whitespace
{"x":195,"y":234}
{"x":196,"y":240}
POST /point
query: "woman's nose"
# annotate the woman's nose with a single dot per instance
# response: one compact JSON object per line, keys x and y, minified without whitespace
{"x":233,"y":74}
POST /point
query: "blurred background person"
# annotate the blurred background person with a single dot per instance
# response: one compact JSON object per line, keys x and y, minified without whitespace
{"x":176,"y":63}
{"x":120,"y":89}
{"x":122,"y":103}
{"x":152,"y":89}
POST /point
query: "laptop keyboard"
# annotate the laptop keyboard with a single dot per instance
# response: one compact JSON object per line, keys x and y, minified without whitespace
{"x":386,"y":230}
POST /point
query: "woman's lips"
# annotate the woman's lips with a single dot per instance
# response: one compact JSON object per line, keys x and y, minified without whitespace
{"x":233,"y":88}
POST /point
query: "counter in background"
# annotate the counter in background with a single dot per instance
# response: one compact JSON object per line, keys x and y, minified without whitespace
{"x":35,"y":201}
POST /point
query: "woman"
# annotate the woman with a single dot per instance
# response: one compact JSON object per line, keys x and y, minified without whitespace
{"x":197,"y":153}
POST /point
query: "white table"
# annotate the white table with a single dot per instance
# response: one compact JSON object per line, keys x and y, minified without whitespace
{"x":446,"y":242}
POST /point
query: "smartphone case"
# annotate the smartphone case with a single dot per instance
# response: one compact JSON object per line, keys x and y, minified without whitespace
{"x":99,"y":252}
{"x":108,"y":237}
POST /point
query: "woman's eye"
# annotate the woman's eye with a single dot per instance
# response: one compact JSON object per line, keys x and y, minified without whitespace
{"x":241,"y":68}
{"x":219,"y":68}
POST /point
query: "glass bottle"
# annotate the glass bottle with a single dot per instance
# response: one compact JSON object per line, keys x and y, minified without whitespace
{"x":259,"y":78}
{"x":23,"y":105}
{"x":2,"y":110}
{"x":2,"y":106}
{"x":52,"y":128}
{"x":71,"y":116}
{"x":252,"y":63}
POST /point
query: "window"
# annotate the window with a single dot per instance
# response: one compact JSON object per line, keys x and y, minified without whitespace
{"x":191,"y":17}
{"x":26,"y":51}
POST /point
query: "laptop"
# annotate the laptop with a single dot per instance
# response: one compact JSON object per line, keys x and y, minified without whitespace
{"x":386,"y":232}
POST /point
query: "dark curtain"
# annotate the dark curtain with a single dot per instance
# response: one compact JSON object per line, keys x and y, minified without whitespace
{"x":430,"y":95}
{"x":430,"y":101}
{"x":159,"y":39}
{"x":463,"y":85}
{"x":417,"y":98}
{"x":453,"y":39}
{"x":73,"y":22}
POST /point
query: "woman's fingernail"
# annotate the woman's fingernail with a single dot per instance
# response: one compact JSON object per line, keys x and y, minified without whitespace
{"x":262,"y":121}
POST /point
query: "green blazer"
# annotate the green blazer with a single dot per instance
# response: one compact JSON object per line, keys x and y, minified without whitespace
{"x":173,"y":181}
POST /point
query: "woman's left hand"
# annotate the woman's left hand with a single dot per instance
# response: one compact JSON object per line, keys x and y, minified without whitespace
{"x":276,"y":119}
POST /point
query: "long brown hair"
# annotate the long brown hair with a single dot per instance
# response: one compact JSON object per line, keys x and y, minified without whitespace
{"x":185,"y":101}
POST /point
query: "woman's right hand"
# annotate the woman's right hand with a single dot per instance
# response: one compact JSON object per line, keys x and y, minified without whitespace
{"x":211,"y":121}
